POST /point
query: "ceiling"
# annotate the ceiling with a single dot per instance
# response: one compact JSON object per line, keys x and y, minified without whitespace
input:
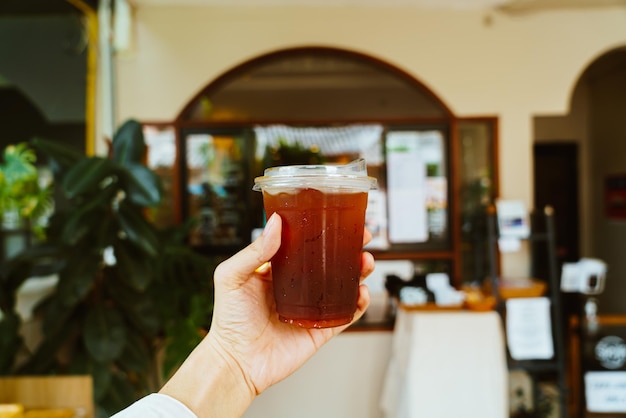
{"x":37,"y":7}
{"x":503,"y":5}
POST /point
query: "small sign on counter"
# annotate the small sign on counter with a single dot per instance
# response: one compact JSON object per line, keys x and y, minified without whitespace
{"x":529,"y":328}
{"x":605,"y":391}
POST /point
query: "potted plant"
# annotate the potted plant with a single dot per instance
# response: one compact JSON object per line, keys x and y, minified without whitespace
{"x":291,"y":154}
{"x":23,"y":199}
{"x":126,"y":290}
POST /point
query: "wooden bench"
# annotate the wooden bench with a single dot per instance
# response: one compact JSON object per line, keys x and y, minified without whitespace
{"x":50,"y":392}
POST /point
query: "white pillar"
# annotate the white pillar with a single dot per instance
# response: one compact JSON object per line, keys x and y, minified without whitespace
{"x":105,"y":108}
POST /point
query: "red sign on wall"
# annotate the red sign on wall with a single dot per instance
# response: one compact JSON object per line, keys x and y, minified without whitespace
{"x":615,"y":197}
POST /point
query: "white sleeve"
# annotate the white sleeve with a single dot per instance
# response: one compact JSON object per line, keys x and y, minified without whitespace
{"x":156,"y":405}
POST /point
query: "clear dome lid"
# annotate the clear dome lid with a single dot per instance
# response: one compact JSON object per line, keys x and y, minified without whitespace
{"x":351,"y":176}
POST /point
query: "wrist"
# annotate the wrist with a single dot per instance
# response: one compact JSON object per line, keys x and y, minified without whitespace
{"x":211,"y":383}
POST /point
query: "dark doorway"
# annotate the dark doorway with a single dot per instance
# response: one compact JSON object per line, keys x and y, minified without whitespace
{"x":556,"y":184}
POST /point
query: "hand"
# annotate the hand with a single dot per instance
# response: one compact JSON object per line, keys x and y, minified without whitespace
{"x":248,"y":349}
{"x":245,"y":323}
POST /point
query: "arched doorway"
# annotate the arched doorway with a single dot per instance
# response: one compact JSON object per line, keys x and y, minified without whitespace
{"x":280,"y":100}
{"x":590,"y":141}
{"x":318,"y":85}
{"x":606,"y":80}
{"x":595,"y":128}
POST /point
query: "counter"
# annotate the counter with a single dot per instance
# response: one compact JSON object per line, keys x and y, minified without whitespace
{"x":446,"y":364}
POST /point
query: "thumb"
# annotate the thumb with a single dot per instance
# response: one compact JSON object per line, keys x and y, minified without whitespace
{"x":237,"y":269}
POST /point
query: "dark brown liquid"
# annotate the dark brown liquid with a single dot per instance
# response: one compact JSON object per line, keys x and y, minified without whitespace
{"x":317,"y":268}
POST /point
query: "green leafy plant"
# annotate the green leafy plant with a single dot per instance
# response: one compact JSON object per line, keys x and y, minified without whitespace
{"x":127,"y":290}
{"x":22,"y":198}
{"x":286,"y":154}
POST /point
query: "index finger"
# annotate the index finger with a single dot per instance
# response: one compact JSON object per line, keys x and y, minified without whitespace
{"x":367,"y":236}
{"x":237,"y":269}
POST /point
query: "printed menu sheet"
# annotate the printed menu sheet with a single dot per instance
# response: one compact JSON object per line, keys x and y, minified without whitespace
{"x":406,"y":184}
{"x":529,"y":328}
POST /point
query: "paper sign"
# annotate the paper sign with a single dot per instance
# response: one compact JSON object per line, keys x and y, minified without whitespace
{"x":406,"y":177}
{"x":376,"y":219}
{"x":529,"y":328}
{"x":512,"y":218}
{"x":605,"y":391}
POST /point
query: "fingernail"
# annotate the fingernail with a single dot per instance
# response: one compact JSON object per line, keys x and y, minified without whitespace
{"x":263,"y":268}
{"x":271,"y":223}
{"x":267,"y":251}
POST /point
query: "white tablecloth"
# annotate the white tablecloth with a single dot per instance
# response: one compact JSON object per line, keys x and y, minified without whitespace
{"x":447,"y":365}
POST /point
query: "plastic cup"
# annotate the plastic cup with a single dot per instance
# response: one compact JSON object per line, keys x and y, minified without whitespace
{"x":316,"y":271}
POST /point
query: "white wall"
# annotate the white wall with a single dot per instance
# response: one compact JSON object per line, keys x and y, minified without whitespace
{"x":343,"y":380}
{"x":515,"y":67}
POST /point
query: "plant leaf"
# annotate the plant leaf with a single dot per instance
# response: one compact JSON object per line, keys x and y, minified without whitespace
{"x":86,"y":175}
{"x":179,"y":233}
{"x":128,"y":143}
{"x":10,"y":341}
{"x":120,"y":394}
{"x":15,"y":271}
{"x":139,"y":231}
{"x":19,"y":164}
{"x":100,"y":372}
{"x":78,"y":278}
{"x":182,"y":336}
{"x":104,"y":333}
{"x":144,"y":186}
{"x":55,"y":315}
{"x":134,"y":266}
{"x":44,"y":359}
{"x":61,"y":156}
{"x":79,"y":224}
{"x":136,"y":356}
{"x":90,"y":216}
{"x":138,"y":307}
